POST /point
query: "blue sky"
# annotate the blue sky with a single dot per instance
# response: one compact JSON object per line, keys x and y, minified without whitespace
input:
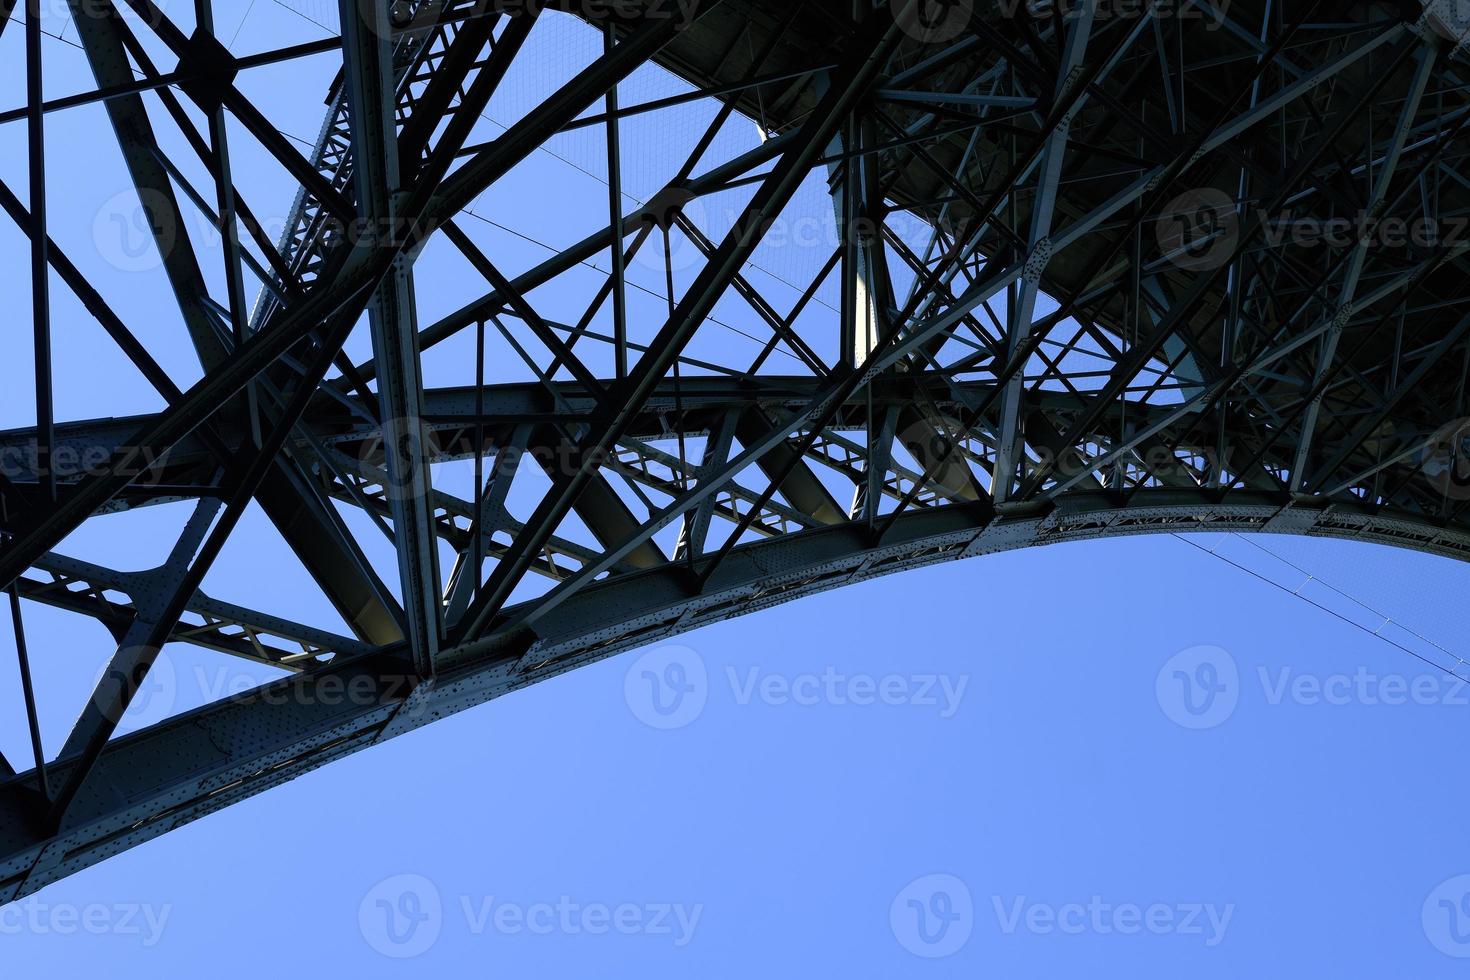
{"x":1323,"y":828}
{"x":1106,"y":756}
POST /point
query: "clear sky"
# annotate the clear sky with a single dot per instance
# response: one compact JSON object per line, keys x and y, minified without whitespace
{"x":1100,"y":758}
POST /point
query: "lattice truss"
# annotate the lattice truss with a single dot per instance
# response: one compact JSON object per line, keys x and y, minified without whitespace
{"x":1078,"y":270}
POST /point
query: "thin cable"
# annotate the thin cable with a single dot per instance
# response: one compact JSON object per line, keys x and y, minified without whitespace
{"x":641,"y":288}
{"x":1351,"y":598}
{"x":236,"y":35}
{"x":640,"y":202}
{"x":1332,"y":612}
{"x":304,"y":16}
{"x":54,"y":37}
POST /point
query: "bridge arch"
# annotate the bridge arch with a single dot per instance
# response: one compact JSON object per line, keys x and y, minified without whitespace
{"x":1063,"y":303}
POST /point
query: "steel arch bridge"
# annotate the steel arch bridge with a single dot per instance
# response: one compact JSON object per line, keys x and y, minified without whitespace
{"x":1181,"y":265}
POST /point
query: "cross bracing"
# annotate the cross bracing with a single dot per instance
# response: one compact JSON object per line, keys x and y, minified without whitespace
{"x":907,"y":284}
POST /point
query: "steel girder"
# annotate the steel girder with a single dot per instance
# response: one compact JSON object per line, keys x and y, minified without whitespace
{"x":194,"y":764}
{"x":1068,"y":295}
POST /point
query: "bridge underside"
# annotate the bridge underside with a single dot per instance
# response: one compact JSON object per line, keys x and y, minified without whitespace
{"x":1138,"y":268}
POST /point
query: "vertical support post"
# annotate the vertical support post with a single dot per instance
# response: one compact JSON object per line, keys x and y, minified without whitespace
{"x":229,"y":227}
{"x":869,"y":494}
{"x":40,"y":274}
{"x":615,"y":215}
{"x":368,"y":53}
{"x":858,"y":330}
{"x":1038,"y":244}
{"x":225,"y":195}
{"x":694,"y":527}
{"x":464,"y":586}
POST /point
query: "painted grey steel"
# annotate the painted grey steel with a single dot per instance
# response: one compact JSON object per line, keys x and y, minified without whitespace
{"x":1171,"y":274}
